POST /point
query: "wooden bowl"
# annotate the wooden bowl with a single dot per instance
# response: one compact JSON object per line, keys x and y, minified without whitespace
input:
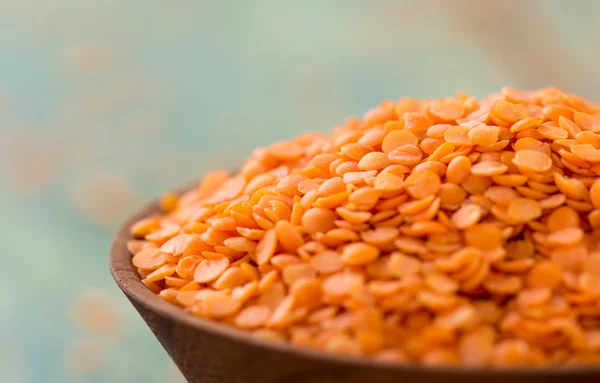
{"x":210,"y":352}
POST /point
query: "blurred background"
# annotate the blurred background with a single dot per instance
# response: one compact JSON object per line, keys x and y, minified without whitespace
{"x":105,"y":104}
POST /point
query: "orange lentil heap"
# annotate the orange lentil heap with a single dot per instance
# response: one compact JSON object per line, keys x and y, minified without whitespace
{"x":436,"y":232}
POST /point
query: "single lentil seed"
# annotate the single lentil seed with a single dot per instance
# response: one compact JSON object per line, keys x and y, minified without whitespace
{"x":458,"y":169}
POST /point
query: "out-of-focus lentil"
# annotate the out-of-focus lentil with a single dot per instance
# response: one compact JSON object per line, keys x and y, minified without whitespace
{"x":448,"y":231}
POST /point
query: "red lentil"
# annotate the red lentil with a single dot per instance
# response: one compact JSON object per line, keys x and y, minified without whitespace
{"x":449,"y":231}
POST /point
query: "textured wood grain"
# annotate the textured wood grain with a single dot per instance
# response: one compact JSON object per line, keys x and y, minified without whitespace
{"x":208,"y":352}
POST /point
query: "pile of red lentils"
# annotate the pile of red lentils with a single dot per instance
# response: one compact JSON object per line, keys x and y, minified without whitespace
{"x":437,"y":232}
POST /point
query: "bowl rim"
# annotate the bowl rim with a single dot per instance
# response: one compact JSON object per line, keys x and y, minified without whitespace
{"x":128,"y":280}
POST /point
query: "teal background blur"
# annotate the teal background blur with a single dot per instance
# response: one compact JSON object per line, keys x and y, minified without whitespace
{"x":106,"y":104}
